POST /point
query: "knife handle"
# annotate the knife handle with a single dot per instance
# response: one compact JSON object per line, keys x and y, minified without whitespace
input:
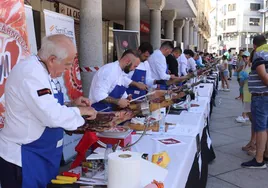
{"x":71,"y":174}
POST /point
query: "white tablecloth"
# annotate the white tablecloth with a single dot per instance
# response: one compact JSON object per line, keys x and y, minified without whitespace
{"x":204,"y":107}
{"x":189,"y":124}
{"x":206,"y":91}
{"x":181,"y":155}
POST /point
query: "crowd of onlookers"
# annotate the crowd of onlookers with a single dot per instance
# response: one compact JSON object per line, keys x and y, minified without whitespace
{"x":250,"y":69}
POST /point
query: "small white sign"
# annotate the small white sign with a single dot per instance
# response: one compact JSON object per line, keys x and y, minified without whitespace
{"x":59,"y":144}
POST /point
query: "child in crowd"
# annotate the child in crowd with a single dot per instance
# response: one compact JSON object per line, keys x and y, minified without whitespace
{"x":250,"y":148}
{"x":223,"y":68}
{"x":246,"y":97}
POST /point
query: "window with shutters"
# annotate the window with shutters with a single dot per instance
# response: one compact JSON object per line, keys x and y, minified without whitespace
{"x":255,"y":6}
{"x":224,"y":24}
{"x":254,"y":21}
{"x":231,"y":21}
{"x":231,"y":7}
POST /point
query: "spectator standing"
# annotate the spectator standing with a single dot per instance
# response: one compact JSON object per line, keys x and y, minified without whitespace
{"x":250,"y":148}
{"x":230,"y":64}
{"x":234,"y":60}
{"x":223,"y":67}
{"x":258,"y":86}
{"x":239,"y":67}
{"x":244,"y":86}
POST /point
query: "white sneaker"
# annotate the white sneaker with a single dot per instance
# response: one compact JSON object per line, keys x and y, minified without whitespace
{"x":240,"y":119}
{"x":228,"y":90}
{"x":221,"y":89}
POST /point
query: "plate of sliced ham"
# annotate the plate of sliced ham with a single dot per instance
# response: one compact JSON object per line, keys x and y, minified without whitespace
{"x":115,"y":131}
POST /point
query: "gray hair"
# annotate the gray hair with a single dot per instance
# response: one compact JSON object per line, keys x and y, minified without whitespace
{"x":54,"y":45}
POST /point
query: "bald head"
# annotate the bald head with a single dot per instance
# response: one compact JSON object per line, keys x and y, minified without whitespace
{"x":57,"y":52}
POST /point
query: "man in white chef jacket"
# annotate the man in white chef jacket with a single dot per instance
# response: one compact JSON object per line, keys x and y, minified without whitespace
{"x":191,"y":66}
{"x":109,"y":84}
{"x":158,"y":64}
{"x":142,"y":74}
{"x":32,"y":137}
{"x":183,"y":64}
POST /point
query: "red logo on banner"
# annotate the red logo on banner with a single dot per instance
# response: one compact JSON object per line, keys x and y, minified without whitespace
{"x":125,"y":44}
{"x":145,"y":27}
{"x":13,"y":42}
{"x":72,"y":81}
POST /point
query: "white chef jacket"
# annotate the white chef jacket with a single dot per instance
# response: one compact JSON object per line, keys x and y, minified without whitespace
{"x":183,"y":64}
{"x":191,"y":64}
{"x":158,"y":65}
{"x":27,"y":114}
{"x":146,"y":67}
{"x":105,"y":80}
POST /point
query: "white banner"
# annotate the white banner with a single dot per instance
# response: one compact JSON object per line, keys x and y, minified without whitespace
{"x":56,"y":23}
{"x":30,"y":29}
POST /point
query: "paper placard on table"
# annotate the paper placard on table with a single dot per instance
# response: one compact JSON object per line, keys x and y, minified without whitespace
{"x":168,"y":141}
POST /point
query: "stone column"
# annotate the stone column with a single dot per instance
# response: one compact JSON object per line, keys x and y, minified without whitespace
{"x":175,"y":34}
{"x":169,"y":17}
{"x":132,"y":15}
{"x":196,"y":36}
{"x":90,"y":53}
{"x":179,"y":24}
{"x":206,"y":45}
{"x":186,"y":36}
{"x":191,"y":33}
{"x":155,"y":7}
{"x":199,"y":41}
{"x":202,"y":42}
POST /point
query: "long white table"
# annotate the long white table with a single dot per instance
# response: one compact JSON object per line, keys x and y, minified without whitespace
{"x":182,"y":156}
{"x":205,"y":90}
{"x":189,"y":124}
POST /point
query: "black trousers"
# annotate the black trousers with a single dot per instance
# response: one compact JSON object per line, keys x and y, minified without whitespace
{"x":10,"y":175}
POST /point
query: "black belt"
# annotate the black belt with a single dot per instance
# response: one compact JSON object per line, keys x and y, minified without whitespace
{"x":259,"y":94}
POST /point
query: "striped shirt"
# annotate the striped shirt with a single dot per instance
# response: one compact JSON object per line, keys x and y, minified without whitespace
{"x":234,"y":59}
{"x":255,"y":84}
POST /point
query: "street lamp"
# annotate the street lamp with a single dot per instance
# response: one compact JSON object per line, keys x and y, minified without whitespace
{"x":263,"y":11}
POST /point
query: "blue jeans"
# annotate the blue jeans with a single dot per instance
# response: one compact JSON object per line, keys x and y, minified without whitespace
{"x":225,"y":73}
{"x":259,"y":110}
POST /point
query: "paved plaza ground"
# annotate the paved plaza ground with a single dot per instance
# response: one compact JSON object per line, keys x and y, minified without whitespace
{"x":227,"y":138}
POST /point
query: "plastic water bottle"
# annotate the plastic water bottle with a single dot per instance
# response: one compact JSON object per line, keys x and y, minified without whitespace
{"x":162,"y":123}
{"x":107,"y":152}
{"x":196,"y":94}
